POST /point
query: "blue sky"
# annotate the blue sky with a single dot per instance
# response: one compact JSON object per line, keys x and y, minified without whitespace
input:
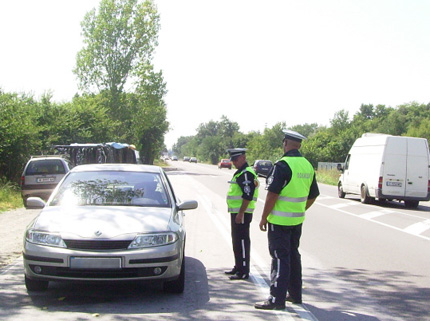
{"x":257,"y":62}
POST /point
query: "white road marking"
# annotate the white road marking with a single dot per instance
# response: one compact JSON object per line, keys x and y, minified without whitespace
{"x":343,"y":204}
{"x":418,"y":228}
{"x":415,"y":229}
{"x":371,"y":215}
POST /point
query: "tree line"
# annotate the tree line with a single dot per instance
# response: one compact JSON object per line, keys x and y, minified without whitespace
{"x":324,"y":144}
{"x":121,"y":94}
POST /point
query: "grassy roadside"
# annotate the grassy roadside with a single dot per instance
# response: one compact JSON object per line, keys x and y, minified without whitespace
{"x":10,"y":196}
{"x":329,"y":177}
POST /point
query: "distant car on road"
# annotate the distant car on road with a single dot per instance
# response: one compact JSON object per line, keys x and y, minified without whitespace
{"x":262,"y":167}
{"x":186,"y":158}
{"x":193,"y":160}
{"x":174,"y":158}
{"x":224,"y":163}
{"x":41,"y":175}
{"x":108,"y":222}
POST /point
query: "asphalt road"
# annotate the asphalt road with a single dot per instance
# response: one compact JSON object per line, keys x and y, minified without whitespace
{"x":360,"y":262}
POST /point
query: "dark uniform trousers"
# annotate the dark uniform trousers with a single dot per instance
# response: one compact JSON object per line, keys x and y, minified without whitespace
{"x":241,"y":242}
{"x":286,"y":269}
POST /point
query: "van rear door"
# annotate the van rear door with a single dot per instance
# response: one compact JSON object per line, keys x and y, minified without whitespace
{"x":394,"y":167}
{"x":417,"y":169}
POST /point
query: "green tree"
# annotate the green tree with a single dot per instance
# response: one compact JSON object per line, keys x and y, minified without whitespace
{"x":19,"y":132}
{"x":118,"y":40}
{"x":182,"y":141}
{"x":149,"y":117}
{"x":422,"y":130}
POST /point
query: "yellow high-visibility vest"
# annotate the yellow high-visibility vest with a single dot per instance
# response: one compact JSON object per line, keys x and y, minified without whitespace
{"x":234,"y":194}
{"x":290,"y":206}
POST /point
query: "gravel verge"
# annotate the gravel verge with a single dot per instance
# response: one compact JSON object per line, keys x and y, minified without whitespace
{"x":12,"y":228}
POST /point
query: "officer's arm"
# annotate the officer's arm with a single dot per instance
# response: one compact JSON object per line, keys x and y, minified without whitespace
{"x":271,"y":199}
{"x":241,"y":214}
{"x":309,"y":202}
{"x":313,"y":193}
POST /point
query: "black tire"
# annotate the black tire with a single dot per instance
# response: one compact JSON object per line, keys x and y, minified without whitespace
{"x":364,"y":195}
{"x":340,"y":191}
{"x":36,"y":285}
{"x":176,"y":286}
{"x":411,"y":204}
{"x":24,"y":201}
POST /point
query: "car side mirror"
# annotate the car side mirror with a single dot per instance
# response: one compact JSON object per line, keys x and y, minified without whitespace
{"x":340,"y":167}
{"x":35,"y":203}
{"x":187,"y":205}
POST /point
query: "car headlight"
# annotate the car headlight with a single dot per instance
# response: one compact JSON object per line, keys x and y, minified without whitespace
{"x":151,"y":240}
{"x":44,"y":238}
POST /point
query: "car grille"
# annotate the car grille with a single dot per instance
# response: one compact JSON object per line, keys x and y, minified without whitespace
{"x":97,"y":245}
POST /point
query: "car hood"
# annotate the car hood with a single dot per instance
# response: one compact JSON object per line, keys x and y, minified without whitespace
{"x":101,"y":222}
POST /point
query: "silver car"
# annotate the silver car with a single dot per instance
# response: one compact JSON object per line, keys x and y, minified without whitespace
{"x":107,"y":222}
{"x":41,"y":175}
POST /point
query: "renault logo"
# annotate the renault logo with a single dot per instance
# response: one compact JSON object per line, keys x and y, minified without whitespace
{"x":98,"y":233}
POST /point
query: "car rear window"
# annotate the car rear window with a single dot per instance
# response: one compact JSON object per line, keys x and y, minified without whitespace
{"x":265,"y":163}
{"x":51,"y":166}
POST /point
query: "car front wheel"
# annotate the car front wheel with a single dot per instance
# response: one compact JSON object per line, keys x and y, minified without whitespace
{"x":340,"y":191}
{"x":178,"y":285}
{"x":36,"y":285}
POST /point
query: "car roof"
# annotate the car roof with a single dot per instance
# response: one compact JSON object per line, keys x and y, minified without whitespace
{"x":42,"y":158}
{"x":117,"y":167}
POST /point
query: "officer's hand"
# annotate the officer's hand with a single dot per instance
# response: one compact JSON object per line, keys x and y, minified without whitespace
{"x":239,"y":218}
{"x":263,"y":224}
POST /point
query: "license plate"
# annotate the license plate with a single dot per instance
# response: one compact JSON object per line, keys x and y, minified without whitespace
{"x":45,"y":179}
{"x":394,"y":184}
{"x":95,"y":263}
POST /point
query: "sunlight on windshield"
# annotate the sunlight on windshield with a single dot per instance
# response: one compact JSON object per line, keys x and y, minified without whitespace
{"x":111,"y":188}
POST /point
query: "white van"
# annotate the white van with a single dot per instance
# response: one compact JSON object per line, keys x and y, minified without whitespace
{"x":387,"y":167}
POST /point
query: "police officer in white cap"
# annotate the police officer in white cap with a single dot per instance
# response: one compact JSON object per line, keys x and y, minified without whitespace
{"x":241,"y":198}
{"x":292,"y":189}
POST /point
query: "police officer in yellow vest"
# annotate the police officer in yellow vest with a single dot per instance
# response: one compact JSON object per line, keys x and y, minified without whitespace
{"x":241,"y":198}
{"x":292,"y":189}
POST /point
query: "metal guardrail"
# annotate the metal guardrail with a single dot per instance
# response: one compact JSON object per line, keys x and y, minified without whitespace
{"x":327,"y":165}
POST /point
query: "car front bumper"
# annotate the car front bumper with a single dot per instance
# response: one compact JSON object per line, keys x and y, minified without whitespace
{"x":56,"y":264}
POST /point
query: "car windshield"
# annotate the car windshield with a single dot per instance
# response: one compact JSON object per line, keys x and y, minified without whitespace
{"x":105,"y":188}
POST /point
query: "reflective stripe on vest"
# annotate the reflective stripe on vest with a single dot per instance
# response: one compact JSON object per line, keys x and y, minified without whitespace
{"x":290,"y":206}
{"x":234,"y":194}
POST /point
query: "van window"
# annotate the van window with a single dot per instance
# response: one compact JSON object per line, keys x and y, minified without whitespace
{"x":348,"y":158}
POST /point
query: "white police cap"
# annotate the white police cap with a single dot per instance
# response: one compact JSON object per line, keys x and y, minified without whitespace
{"x":292,"y":135}
{"x":234,"y":152}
